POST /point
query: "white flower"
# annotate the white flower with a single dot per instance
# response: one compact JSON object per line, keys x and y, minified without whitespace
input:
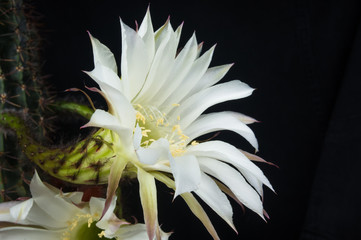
{"x":51,"y":214}
{"x":156,"y":109}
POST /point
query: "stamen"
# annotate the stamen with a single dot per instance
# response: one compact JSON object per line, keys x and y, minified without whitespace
{"x":154,"y":125}
{"x":193,"y":143}
{"x":140,"y":117}
{"x":101,"y":234}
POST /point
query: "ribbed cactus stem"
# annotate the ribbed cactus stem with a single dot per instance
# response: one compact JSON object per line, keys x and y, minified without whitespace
{"x":21,"y":87}
{"x":86,"y":162}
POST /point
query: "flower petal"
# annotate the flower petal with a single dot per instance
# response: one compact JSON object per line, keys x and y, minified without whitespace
{"x":137,"y":137}
{"x":146,"y":32}
{"x":104,"y":75}
{"x":220,"y":121}
{"x":103,"y":119}
{"x":50,"y":220}
{"x":199,"y":67}
{"x":148,"y":197}
{"x":102,"y":54}
{"x":191,"y":108}
{"x":42,"y":195}
{"x":227,"y":153}
{"x":148,"y":156}
{"x":192,"y":203}
{"x":211,"y":77}
{"x":113,"y":181}
{"x":136,"y":61}
{"x":158,"y":150}
{"x":20,"y":211}
{"x":180,"y":69}
{"x":235,"y":181}
{"x":161,"y":66}
{"x":209,"y":192}
{"x":186,"y":173}
{"x":29,"y":233}
{"x":5,"y":211}
{"x":118,"y":104}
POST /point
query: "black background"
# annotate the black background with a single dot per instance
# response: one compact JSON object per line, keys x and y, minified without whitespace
{"x":304,"y":58}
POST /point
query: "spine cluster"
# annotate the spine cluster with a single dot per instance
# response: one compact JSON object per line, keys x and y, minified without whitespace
{"x":21,"y":89}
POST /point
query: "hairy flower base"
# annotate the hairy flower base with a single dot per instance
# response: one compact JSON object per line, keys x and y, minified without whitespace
{"x":87,"y":162}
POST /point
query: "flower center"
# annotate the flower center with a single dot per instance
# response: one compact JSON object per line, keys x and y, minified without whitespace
{"x":155,"y":125}
{"x":82,"y":226}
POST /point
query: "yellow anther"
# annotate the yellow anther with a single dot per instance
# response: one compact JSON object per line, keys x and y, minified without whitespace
{"x":90,"y":221}
{"x":151,"y":117}
{"x":194,"y":143}
{"x":175,"y":127}
{"x":183,"y":137}
{"x":175,"y":104}
{"x":178,"y":118}
{"x":140,"y":117}
{"x":145,"y":132}
{"x":101,"y":234}
{"x":160,"y":121}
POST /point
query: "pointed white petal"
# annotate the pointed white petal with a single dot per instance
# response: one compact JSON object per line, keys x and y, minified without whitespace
{"x":192,"y":107}
{"x":40,"y":217}
{"x":243,"y":118}
{"x":235,"y":181}
{"x":20,"y":211}
{"x":103,"y":119}
{"x":158,"y":150}
{"x":148,"y":197}
{"x":148,"y":156}
{"x":161,"y":66}
{"x":186,"y":173}
{"x":113,"y":181}
{"x":198,"y":69}
{"x":5,"y":207}
{"x":96,"y":205}
{"x":211,"y":77}
{"x":136,"y":61}
{"x":178,"y":33}
{"x":137,"y":137}
{"x":104,"y":75}
{"x":220,"y":121}
{"x":180,"y":69}
{"x":227,"y":153}
{"x":103,"y":55}
{"x":111,"y":87}
{"x":42,"y":196}
{"x":192,"y":203}
{"x":209,"y":192}
{"x":199,"y":212}
{"x":146,"y":32}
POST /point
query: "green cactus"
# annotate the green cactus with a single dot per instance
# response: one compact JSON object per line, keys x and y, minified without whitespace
{"x":21,"y":90}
